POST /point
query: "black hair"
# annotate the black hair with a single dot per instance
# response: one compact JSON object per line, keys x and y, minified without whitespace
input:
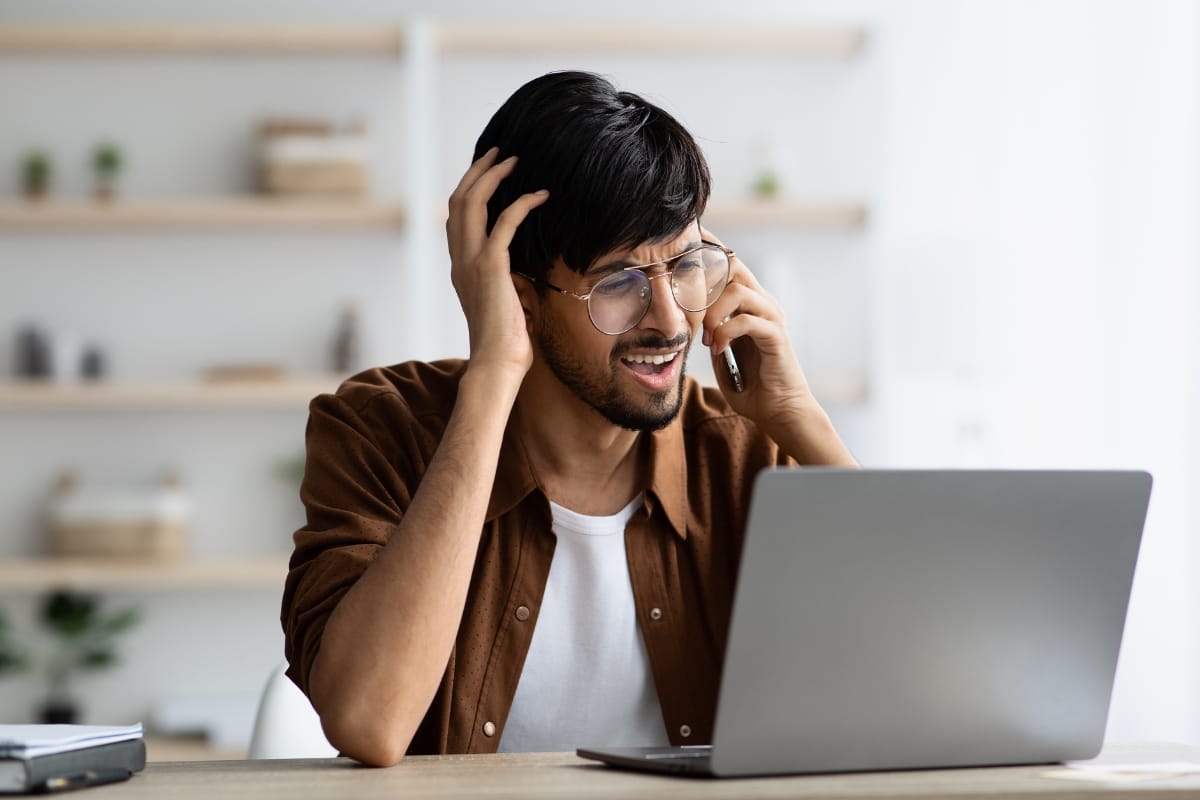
{"x":620,"y":170}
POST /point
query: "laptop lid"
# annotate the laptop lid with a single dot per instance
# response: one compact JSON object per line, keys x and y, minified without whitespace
{"x":907,"y":619}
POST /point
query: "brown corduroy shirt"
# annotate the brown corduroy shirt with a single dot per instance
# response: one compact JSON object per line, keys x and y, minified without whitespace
{"x":370,"y":443}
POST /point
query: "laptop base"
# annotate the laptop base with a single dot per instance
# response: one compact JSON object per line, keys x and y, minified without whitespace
{"x":693,"y":760}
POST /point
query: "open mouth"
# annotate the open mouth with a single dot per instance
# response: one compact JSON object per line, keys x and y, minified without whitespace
{"x":650,"y":364}
{"x":655,"y":371}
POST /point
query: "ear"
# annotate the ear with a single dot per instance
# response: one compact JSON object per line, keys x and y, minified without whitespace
{"x":528,"y":297}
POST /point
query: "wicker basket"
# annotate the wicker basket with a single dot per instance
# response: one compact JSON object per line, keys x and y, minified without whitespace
{"x":119,"y":522}
{"x":133,"y":539}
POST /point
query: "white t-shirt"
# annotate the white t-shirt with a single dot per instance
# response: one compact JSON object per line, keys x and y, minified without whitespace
{"x":586,"y":680}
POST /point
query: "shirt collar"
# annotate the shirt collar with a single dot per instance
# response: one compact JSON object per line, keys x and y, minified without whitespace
{"x":667,"y":475}
{"x":514,"y":475}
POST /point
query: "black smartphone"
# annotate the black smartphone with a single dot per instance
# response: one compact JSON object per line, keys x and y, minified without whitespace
{"x":735,"y":372}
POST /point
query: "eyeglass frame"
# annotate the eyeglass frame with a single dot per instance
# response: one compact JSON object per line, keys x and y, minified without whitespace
{"x":704,"y":244}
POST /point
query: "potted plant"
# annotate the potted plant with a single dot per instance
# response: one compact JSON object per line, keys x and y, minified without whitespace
{"x":106,"y":164}
{"x":766,"y":185}
{"x":36,"y":171}
{"x":84,"y":640}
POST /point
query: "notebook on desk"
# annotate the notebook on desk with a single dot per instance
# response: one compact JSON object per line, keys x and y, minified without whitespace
{"x":920,"y":619}
{"x":52,"y":758}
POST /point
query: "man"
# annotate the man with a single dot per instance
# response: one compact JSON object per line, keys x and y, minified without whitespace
{"x":536,"y":548}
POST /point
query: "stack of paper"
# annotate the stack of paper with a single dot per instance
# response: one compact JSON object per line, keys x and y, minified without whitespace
{"x":52,"y":757}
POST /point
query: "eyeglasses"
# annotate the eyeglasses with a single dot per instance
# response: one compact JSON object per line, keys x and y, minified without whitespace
{"x":618,"y":301}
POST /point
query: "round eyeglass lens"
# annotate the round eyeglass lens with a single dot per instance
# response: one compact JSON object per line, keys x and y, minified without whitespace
{"x":619,"y":302}
{"x":699,"y":278}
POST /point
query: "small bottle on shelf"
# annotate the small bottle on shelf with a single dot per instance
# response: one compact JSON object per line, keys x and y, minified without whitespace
{"x":345,"y":341}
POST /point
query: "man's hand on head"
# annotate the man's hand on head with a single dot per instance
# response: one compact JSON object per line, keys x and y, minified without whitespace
{"x":480,"y":269}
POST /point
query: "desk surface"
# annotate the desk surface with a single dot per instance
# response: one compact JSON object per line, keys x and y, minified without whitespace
{"x":563,"y":775}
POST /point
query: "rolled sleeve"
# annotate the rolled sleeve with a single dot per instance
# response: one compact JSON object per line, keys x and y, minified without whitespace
{"x":354,"y":498}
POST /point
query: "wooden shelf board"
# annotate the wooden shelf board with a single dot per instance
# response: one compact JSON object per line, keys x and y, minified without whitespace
{"x":813,"y":215}
{"x":233,"y":213}
{"x":203,"y":39}
{"x":35,"y":396}
{"x":37,"y":574}
{"x":706,"y":41}
{"x":461,"y":38}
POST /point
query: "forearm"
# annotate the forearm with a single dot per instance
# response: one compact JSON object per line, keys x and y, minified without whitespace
{"x":807,"y":435}
{"x":374,"y":678}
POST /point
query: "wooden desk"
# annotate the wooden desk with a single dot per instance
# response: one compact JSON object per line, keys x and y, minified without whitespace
{"x":563,"y":775}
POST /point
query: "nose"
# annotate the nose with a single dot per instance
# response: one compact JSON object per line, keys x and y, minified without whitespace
{"x":664,"y":315}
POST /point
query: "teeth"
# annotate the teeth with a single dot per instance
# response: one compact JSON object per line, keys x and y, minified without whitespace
{"x":660,"y":358}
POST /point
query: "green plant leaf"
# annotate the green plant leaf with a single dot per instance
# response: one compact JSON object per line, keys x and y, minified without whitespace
{"x":12,"y":660}
{"x":106,"y":159}
{"x":37,"y":166}
{"x":85,"y":635}
{"x":119,"y":622}
{"x":69,"y":614}
{"x":97,"y":659}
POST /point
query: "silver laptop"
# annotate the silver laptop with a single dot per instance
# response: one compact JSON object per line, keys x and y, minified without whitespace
{"x":916,"y":619}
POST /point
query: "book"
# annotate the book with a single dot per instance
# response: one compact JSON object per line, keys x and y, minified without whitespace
{"x":37,"y":758}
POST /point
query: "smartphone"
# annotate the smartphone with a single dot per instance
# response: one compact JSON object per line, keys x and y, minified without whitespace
{"x":735,"y":372}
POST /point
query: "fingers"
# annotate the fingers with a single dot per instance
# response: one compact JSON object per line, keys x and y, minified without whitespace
{"x":481,"y":165}
{"x":478,"y":193}
{"x":512,"y":217}
{"x":458,"y":196}
{"x":738,"y":300}
{"x":759,"y":329}
{"x":466,"y":224}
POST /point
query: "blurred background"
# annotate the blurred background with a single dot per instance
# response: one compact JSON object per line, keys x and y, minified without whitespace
{"x":979,"y":215}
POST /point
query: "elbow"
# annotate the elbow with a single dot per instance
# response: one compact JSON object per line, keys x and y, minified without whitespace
{"x":372,"y":738}
{"x":372,"y":726}
{"x":377,"y":754}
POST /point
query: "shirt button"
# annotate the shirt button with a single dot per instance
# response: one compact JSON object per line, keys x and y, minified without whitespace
{"x":684,"y":730}
{"x":656,"y":614}
{"x":522,"y":613}
{"x":489,"y":728}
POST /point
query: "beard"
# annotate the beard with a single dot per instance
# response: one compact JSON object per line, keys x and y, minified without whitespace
{"x":602,"y":391}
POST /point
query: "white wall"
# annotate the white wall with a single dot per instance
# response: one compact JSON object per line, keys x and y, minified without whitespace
{"x":1038,"y":253}
{"x":1032,"y":177}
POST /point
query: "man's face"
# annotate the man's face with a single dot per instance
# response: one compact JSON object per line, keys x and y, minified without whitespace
{"x":635,"y":379}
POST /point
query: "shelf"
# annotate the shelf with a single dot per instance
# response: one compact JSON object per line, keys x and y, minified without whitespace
{"x":269,"y":214}
{"x":203,"y":39}
{"x":233,"y":213}
{"x":706,"y":41}
{"x":164,"y":396}
{"x":388,"y":40}
{"x":37,"y":574}
{"x":833,"y":215}
{"x":809,"y":216}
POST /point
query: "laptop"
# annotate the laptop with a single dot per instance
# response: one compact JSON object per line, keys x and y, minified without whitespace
{"x":895,"y":619}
